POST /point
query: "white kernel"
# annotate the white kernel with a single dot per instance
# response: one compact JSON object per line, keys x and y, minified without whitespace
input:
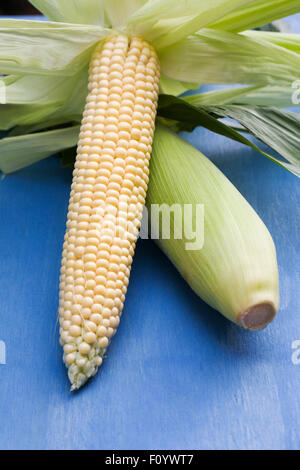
{"x":69,"y":348}
{"x":70,"y":358}
{"x":98,"y":361}
{"x":81,"y":362}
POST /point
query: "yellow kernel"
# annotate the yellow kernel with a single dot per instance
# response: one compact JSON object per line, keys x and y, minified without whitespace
{"x":76,"y":319}
{"x":76,"y":308}
{"x":69,"y":348}
{"x":99,"y":361}
{"x":79,"y":251}
{"x":101,"y":331}
{"x":66,"y":324}
{"x":99,"y":299}
{"x":103,"y":342}
{"x":114,"y":321}
{"x":106,"y":312}
{"x":96,"y":318}
{"x":84,"y":348}
{"x":90,"y":337}
{"x":110,"y":332}
{"x":90,"y":326}
{"x":70,"y":358}
{"x":86,"y":313}
{"x":75,"y":331}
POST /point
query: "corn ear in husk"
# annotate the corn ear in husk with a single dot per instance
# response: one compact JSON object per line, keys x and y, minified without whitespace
{"x":235,"y":271}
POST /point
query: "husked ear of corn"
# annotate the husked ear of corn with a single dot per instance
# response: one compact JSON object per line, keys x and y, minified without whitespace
{"x":107,"y":197}
{"x":235,"y":271}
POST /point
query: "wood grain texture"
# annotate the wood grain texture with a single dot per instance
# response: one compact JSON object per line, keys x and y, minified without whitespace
{"x":177,"y":375}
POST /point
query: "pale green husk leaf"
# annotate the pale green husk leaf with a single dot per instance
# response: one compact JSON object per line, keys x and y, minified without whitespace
{"x":276,"y":128}
{"x":289,"y":41}
{"x":99,"y":12}
{"x":73,"y":11}
{"x":45,"y":48}
{"x":32,"y":89}
{"x":219,"y":57}
{"x":164,"y":22}
{"x":225,"y":58}
{"x":279,"y":96}
{"x":43,"y":101}
{"x":19,"y":152}
{"x":169,"y":86}
{"x":256,"y":14}
{"x":118,"y":12}
{"x":39,"y":96}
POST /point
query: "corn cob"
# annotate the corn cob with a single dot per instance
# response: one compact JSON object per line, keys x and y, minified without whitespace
{"x":107,"y":197}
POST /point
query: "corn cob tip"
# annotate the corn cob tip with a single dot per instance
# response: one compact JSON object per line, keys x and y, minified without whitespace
{"x":76,"y":387}
{"x":78,"y":381}
{"x":257,"y":317}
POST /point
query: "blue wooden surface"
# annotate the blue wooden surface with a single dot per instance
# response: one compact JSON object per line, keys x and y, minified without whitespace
{"x":177,"y":375}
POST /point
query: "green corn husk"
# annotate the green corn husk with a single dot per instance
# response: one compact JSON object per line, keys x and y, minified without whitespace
{"x":235,"y":272}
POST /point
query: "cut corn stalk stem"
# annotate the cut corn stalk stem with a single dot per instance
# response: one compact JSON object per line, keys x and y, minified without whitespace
{"x":107,"y":197}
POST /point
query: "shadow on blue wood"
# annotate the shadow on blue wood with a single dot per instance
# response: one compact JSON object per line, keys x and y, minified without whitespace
{"x":177,"y":375}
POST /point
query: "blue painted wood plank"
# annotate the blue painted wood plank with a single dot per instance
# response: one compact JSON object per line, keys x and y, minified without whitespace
{"x":177,"y":374}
